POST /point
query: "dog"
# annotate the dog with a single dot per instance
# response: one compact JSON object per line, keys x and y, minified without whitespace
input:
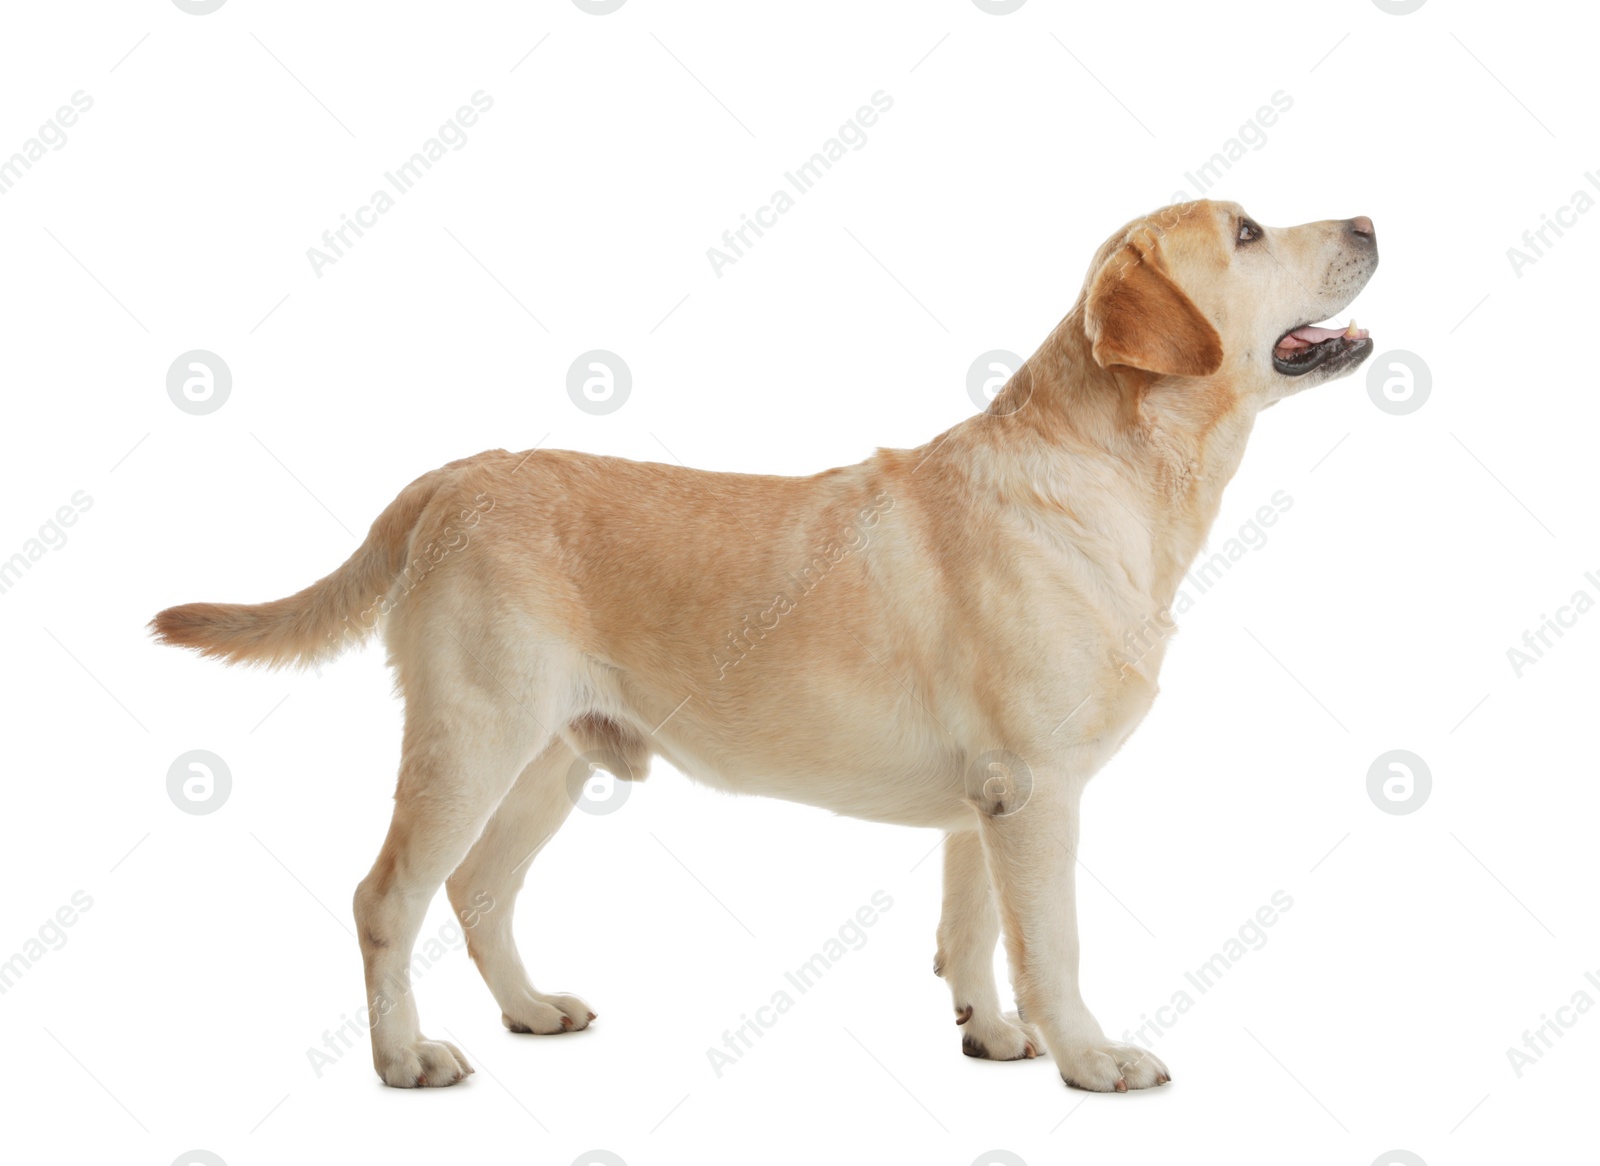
{"x":936,"y":637}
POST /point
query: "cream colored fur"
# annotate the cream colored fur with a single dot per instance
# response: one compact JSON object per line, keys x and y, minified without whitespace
{"x":870,"y":639}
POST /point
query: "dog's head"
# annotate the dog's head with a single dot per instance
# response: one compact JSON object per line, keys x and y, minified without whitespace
{"x":1201,"y":290}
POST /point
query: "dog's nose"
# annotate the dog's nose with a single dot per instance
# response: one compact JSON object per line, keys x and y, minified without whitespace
{"x":1361,"y":227}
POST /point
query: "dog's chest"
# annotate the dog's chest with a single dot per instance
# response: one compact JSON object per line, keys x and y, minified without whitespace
{"x":1098,"y":642}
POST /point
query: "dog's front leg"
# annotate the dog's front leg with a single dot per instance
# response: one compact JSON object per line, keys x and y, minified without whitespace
{"x":1031,"y":854}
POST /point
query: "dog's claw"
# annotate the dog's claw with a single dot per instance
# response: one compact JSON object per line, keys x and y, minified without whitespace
{"x":964,"y":1015}
{"x":1121,"y":1085}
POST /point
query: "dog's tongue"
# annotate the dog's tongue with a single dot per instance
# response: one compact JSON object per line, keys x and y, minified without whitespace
{"x":1308,"y":336}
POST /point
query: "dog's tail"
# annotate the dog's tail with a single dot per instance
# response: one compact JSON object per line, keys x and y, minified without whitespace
{"x":315,"y":624}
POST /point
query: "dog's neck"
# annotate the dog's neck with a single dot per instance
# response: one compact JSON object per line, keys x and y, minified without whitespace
{"x":1136,"y":463}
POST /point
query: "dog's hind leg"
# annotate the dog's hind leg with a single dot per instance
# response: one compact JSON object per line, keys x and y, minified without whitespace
{"x":461,"y":754}
{"x":483,"y":891}
{"x":969,"y":928}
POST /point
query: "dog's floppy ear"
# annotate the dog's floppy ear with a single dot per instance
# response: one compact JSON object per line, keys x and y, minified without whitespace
{"x":1136,"y":316}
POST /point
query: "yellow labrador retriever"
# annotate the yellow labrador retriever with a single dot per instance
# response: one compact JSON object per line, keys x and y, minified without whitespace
{"x":956,"y":636}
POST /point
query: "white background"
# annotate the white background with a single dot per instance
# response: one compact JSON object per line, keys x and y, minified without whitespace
{"x":179,"y":1011}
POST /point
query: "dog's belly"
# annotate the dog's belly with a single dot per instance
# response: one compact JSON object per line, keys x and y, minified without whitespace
{"x":856,"y":745}
{"x":860,"y":744}
{"x":924,"y":789}
{"x":905,"y":769}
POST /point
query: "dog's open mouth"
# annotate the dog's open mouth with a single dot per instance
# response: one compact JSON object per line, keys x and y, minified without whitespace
{"x":1302,"y":349}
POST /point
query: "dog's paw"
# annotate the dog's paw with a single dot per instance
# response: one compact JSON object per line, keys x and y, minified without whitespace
{"x":423,"y":1063}
{"x":1110,"y":1068}
{"x":543,"y":1015}
{"x":997,"y":1038}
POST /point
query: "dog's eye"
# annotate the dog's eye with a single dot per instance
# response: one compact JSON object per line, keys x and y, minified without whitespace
{"x":1248,"y":231}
